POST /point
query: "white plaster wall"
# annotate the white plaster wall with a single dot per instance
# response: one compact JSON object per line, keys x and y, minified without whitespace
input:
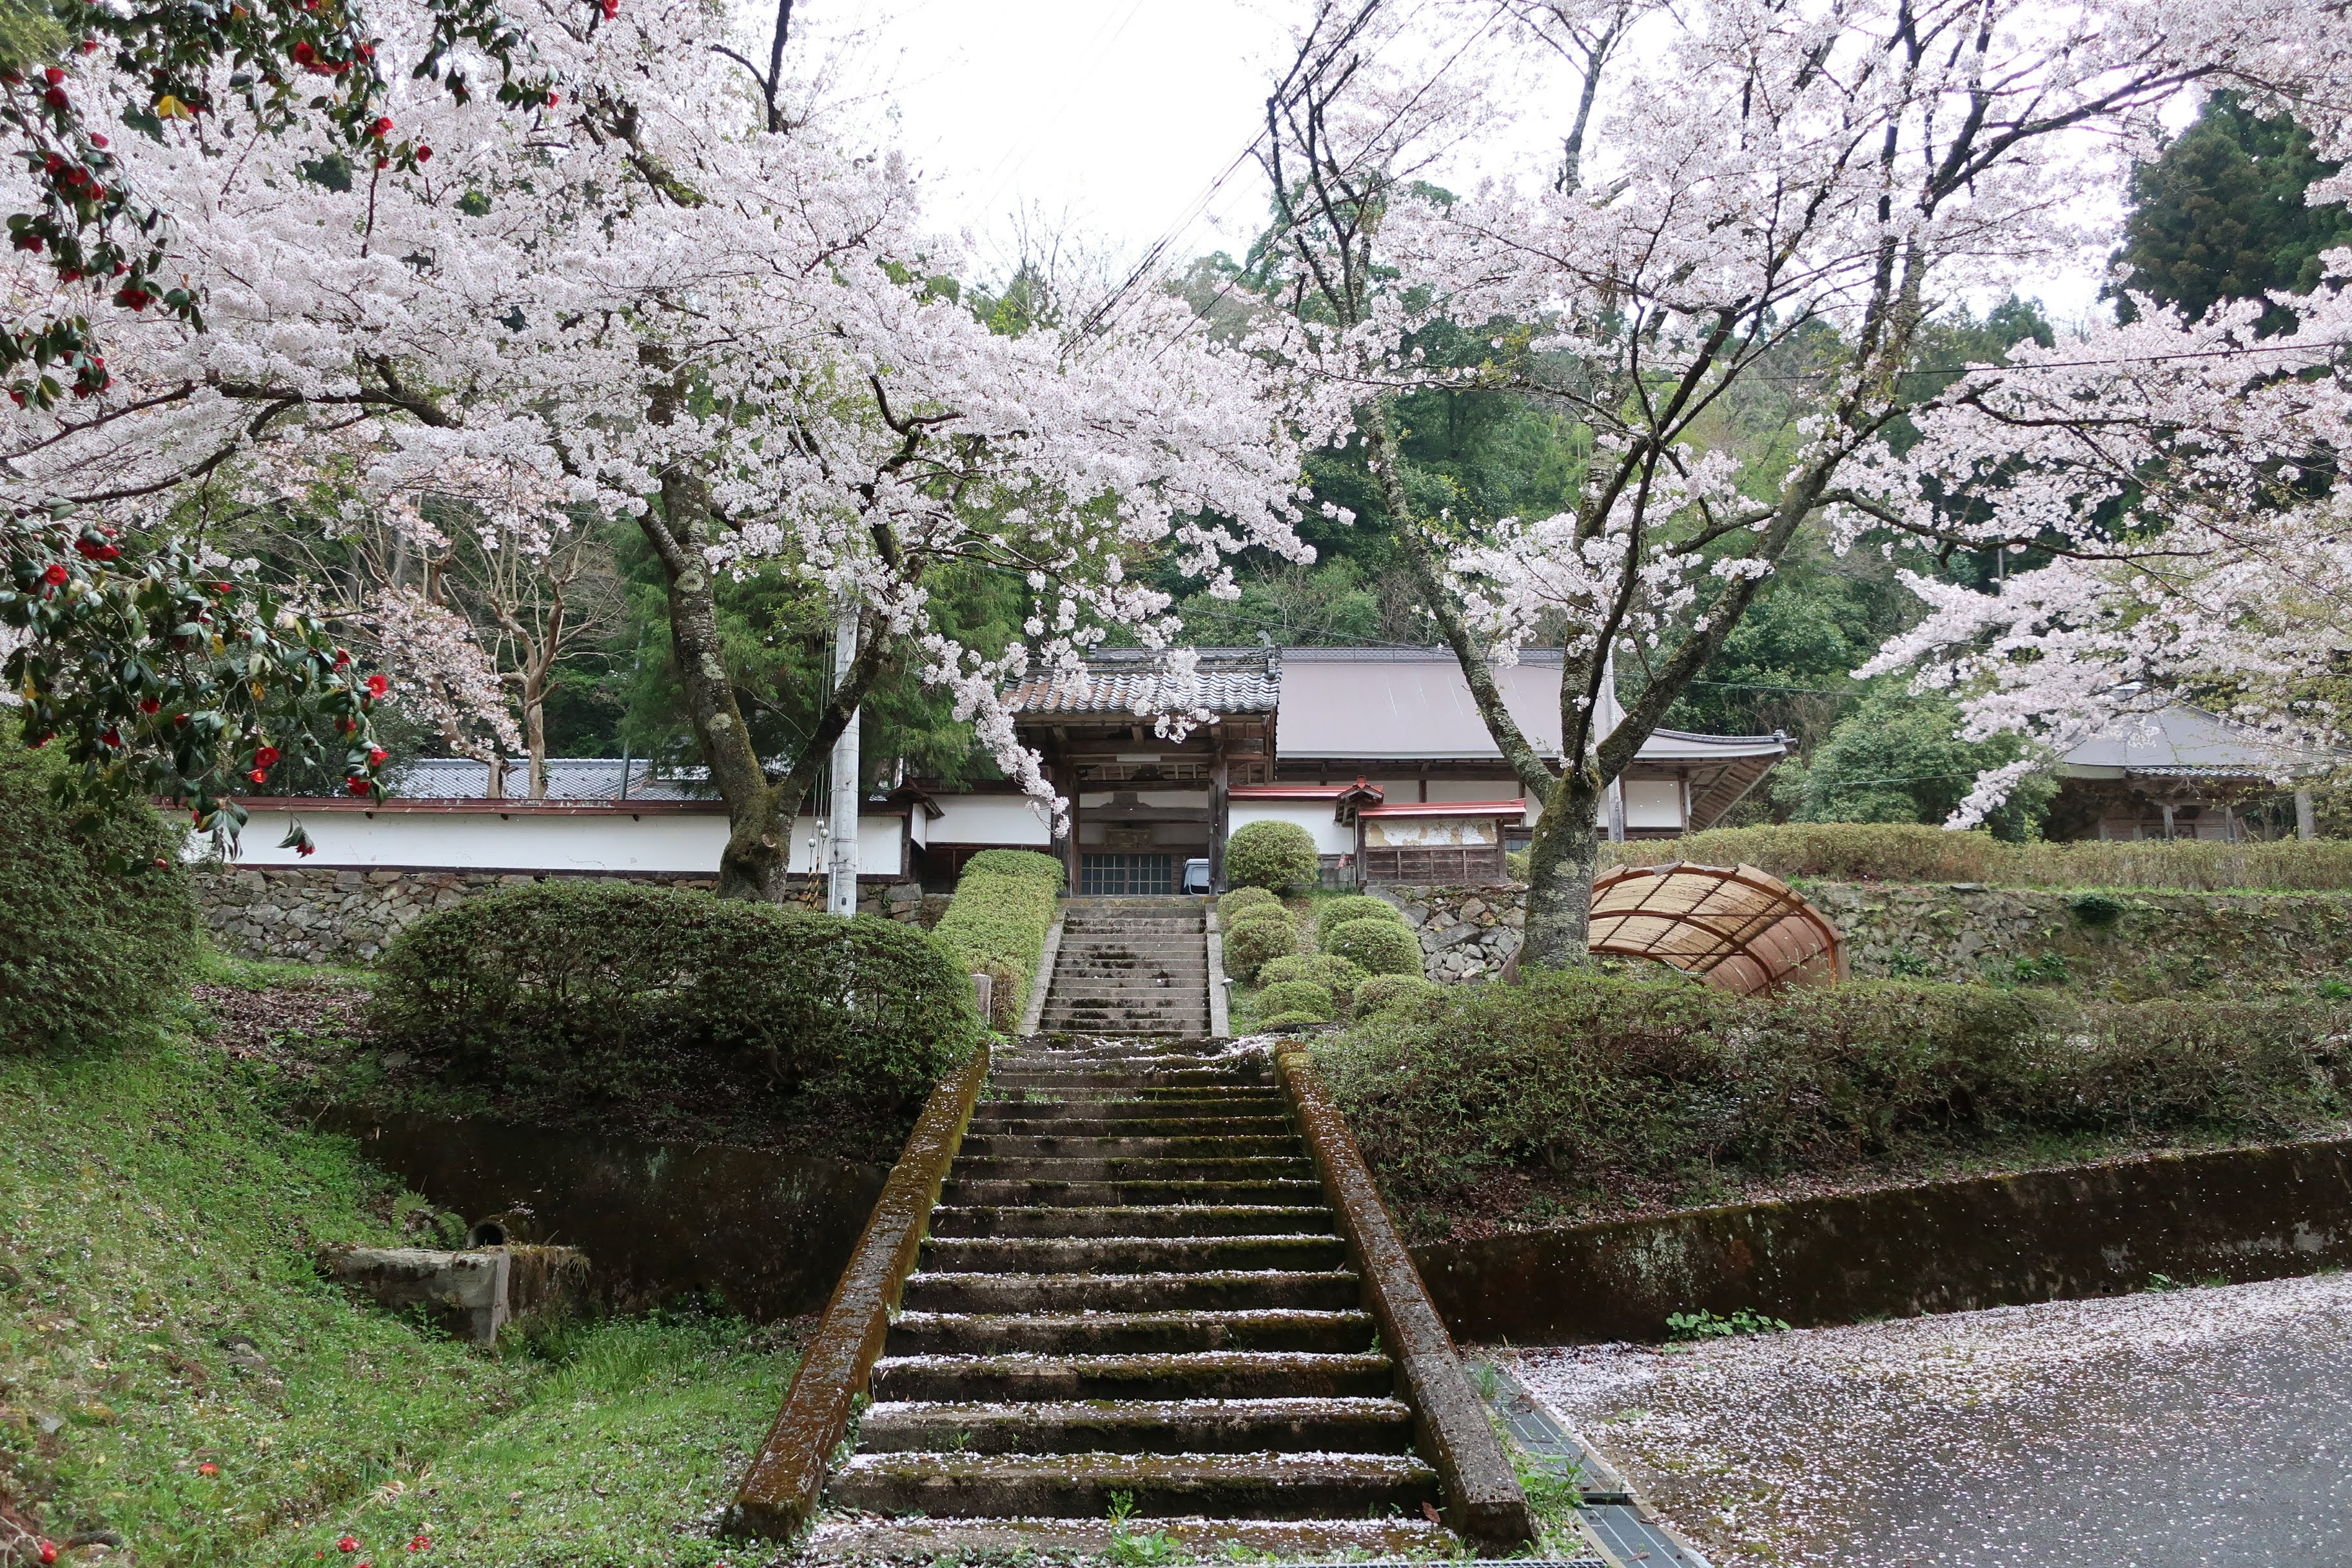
{"x":534,"y":841}
{"x":1005,"y":819}
{"x":1653,"y":802}
{"x":1315,"y":815}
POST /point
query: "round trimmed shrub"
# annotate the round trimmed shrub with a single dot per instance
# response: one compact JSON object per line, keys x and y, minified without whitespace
{"x":97,"y":916}
{"x":600,"y":990}
{"x":1299,"y":996}
{"x":1334,"y":912}
{"x":1393,"y":993}
{"x":1290,"y":1021}
{"x":1257,"y":936}
{"x":1014,"y":863}
{"x":1230,"y":906}
{"x":1382,"y":947}
{"x":1338,"y":976}
{"x":1279,"y":856}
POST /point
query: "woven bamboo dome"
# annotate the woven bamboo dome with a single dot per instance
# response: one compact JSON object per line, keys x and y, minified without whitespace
{"x":1732,"y":926}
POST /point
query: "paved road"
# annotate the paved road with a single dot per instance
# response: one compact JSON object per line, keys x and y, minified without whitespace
{"x":2182,"y":1429}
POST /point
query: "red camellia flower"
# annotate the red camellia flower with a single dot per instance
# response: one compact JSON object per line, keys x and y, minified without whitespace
{"x":56,"y":575}
{"x":343,"y":659}
{"x":207,"y":1467}
{"x":224,"y":587}
{"x":553,"y":99}
{"x":95,"y":549}
{"x":48,"y":1549}
{"x":54,"y":74}
{"x":424,"y":155}
{"x":377,"y":686}
{"x":148,"y":705}
{"x":376,"y":756}
{"x":266,"y":757}
{"x":162,"y":863}
{"x":56,"y":98}
{"x":359,"y":786}
{"x":260,"y":775}
{"x":420,"y":1544}
{"x":347,"y":1543}
{"x":381,"y":125}
{"x":110,"y":738}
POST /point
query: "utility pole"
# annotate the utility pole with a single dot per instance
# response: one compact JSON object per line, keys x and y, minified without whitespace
{"x":841,"y":869}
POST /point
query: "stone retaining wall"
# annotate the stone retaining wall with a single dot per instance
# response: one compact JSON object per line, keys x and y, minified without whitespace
{"x":320,"y":915}
{"x":1466,"y":934}
{"x":2125,"y":945}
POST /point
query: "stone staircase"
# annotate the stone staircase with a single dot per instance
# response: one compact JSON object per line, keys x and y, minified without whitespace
{"x":1134,"y":1296}
{"x":1130,"y":967}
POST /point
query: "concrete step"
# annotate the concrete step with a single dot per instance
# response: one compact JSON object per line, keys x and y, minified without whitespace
{"x":1142,"y":1427}
{"x":1089,"y":1146}
{"x":1079,"y":1486}
{"x":1132,"y":1219}
{"x":1255,"y":1168}
{"x":1212,"y":1374}
{"x":991,"y":1124}
{"x":1175,"y":1078}
{"x":1046,"y":1196}
{"x":1252,"y":1105}
{"x":1230,"y":1291}
{"x":1130,"y":1254}
{"x":868,"y":1539}
{"x":1127,"y":1333}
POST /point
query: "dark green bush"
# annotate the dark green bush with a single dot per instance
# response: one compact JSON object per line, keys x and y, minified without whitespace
{"x":1338,"y":976}
{"x":1299,"y":996}
{"x":1259,"y":935}
{"x":1014,"y":863}
{"x":1331,"y":914}
{"x":996,"y":924}
{"x":1387,"y":993}
{"x":1622,"y":1074}
{"x":97,"y":917}
{"x":593,"y":991}
{"x":1291,"y":1021}
{"x":1278,"y":856}
{"x":1234,"y":904}
{"x":1379,"y":946}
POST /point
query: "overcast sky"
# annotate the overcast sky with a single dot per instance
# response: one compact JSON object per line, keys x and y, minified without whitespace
{"x":1116,"y":114}
{"x":1112,"y":118}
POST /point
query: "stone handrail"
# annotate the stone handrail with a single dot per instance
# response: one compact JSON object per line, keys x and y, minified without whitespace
{"x":1483,"y":1500}
{"x":780,"y":1490}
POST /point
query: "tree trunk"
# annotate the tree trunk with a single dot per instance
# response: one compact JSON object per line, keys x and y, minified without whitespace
{"x":758,"y":854}
{"x":534,"y":732}
{"x":1562,"y":860}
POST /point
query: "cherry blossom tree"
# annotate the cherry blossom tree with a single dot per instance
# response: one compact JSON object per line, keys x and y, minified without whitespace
{"x":686,"y":298}
{"x":1738,"y":179}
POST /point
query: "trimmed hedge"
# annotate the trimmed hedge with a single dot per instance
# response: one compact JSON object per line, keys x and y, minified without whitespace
{"x":1339,"y":975}
{"x":1891,"y":852}
{"x":97,"y":917}
{"x":1331,"y":914}
{"x":996,"y":924}
{"x":588,"y":991}
{"x":1233,"y":905}
{"x":1612,"y":1075}
{"x":1379,"y":946}
{"x":1299,"y":996}
{"x":1259,"y":935}
{"x":1392,"y":992}
{"x":1290,"y":1021}
{"x":1014,"y":863}
{"x":1279,"y":856}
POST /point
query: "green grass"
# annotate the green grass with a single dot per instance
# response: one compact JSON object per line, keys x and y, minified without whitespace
{"x":159,"y":1313}
{"x":215,"y":968}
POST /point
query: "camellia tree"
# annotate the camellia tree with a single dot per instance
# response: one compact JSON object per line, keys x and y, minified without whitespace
{"x":1745,"y":188}
{"x":665,"y":293}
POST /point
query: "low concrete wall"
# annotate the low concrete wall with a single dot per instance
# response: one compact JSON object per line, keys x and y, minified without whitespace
{"x":1946,"y":1247}
{"x":767,"y":1233}
{"x":316,"y":914}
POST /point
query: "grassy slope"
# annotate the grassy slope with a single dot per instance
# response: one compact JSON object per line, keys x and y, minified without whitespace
{"x":160,"y":1313}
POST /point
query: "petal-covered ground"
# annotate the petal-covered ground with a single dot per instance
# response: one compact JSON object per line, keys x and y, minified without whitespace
{"x":2164,"y":1430}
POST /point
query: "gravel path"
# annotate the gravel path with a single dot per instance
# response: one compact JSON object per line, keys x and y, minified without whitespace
{"x":2177,"y":1429}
